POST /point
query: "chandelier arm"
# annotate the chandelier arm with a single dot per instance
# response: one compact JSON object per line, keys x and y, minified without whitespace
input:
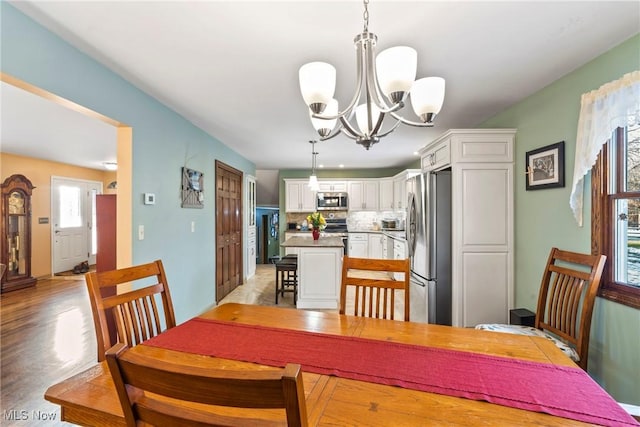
{"x":411,"y":123}
{"x":356,"y":95}
{"x":378,"y":125}
{"x":395,"y":125}
{"x":372,"y":85}
{"x":348,"y":135}
{"x":335,"y":133}
{"x":348,"y":129}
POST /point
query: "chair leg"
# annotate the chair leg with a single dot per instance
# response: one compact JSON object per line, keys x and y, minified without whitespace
{"x":277,"y":284}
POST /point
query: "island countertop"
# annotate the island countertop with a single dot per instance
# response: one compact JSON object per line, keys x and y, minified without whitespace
{"x":307,"y":242}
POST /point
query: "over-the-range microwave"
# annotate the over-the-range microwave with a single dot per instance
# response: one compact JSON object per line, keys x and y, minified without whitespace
{"x":332,"y":201}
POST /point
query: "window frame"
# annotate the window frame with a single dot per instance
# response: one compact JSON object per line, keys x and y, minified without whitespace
{"x":602,"y":234}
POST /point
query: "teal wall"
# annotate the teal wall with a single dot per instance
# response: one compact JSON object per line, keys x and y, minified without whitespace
{"x":543,"y":218}
{"x":163,"y":142}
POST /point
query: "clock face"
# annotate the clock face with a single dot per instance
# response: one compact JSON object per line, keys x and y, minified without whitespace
{"x":16,"y":203}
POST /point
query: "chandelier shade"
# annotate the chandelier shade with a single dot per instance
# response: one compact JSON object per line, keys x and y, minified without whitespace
{"x":317,"y":84}
{"x":383,"y":84}
{"x":325,"y":126}
{"x":396,"y":68}
{"x":427,"y":97}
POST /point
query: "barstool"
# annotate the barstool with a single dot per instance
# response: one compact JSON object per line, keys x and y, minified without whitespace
{"x":287,"y":276}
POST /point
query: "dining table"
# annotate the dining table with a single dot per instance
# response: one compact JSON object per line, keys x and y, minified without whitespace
{"x":368,"y":371}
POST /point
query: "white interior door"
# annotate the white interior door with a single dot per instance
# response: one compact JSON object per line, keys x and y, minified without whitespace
{"x":73,"y":218}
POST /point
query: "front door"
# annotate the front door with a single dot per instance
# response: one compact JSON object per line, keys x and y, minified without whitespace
{"x":228,"y":229}
{"x":73,"y":219}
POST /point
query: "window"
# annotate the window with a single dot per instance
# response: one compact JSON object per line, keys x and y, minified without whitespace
{"x":615,"y":216}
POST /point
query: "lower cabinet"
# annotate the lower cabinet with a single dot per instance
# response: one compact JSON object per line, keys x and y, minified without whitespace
{"x":375,"y":246}
{"x":358,"y":245}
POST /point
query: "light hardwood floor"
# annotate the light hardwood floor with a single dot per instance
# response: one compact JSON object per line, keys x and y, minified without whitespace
{"x":47,"y":335}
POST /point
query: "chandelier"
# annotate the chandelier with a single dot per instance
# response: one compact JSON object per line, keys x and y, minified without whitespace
{"x":313,"y":179}
{"x":383,"y":82}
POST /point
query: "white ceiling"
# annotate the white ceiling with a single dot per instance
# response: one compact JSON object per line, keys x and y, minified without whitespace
{"x":35,"y":127}
{"x":230,"y":67}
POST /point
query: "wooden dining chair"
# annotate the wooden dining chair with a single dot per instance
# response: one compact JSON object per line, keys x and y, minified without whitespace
{"x":565,"y":303}
{"x":137,"y":376}
{"x":374,"y":285}
{"x":131,"y":315}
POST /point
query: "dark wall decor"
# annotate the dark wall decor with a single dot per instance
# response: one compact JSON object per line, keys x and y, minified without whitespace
{"x":545,"y":167}
{"x":192,"y":189}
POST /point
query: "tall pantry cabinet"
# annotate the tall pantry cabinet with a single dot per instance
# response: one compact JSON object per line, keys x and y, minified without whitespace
{"x":482,"y":168}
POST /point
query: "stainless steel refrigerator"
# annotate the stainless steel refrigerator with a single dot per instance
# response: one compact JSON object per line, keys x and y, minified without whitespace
{"x":428,"y":232}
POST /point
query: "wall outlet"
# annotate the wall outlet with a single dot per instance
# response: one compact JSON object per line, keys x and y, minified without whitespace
{"x":141,"y":232}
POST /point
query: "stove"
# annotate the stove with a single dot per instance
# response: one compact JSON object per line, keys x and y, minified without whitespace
{"x":336,"y":226}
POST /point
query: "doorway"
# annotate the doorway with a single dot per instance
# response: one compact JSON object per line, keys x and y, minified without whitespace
{"x":228,"y":229}
{"x":73,"y":218}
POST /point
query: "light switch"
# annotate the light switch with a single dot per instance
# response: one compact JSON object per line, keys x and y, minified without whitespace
{"x":141,"y":232}
{"x":193,"y":226}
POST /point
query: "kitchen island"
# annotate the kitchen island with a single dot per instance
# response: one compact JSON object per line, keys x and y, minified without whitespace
{"x":319,"y":270}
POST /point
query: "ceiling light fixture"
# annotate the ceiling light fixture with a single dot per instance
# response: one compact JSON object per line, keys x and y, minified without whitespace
{"x":313,"y":179}
{"x":383,"y":81}
{"x":110,"y":166}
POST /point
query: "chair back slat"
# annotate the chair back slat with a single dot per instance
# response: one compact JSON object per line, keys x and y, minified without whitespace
{"x":136,"y":314}
{"x":136,"y":376}
{"x":374,"y":286}
{"x":567,"y":297}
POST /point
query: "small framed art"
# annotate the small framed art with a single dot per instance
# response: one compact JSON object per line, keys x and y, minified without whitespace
{"x":545,"y":167}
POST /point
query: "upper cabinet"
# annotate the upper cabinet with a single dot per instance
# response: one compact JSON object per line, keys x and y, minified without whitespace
{"x":332,"y":186}
{"x":468,"y":145}
{"x":298,"y":196}
{"x":400,"y":190}
{"x":363,"y":195}
{"x":386,"y":201}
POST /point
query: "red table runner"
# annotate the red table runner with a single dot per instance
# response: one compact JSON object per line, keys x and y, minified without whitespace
{"x":557,"y":390}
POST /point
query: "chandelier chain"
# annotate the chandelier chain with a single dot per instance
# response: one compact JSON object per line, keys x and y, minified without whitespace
{"x":365,"y":16}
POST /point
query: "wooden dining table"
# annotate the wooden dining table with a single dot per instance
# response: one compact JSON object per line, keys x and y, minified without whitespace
{"x":89,"y":398}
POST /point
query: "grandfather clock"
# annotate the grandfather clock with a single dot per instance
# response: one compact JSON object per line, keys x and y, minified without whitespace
{"x":16,"y":233}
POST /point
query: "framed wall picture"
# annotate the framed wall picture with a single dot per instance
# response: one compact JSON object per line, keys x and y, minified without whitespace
{"x":192,"y":189}
{"x":545,"y":167}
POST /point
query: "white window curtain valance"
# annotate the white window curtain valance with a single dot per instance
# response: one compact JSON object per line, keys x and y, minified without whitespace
{"x":615,"y":104}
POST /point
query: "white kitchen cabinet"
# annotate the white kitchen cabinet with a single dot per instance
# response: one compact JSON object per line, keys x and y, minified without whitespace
{"x":358,"y":245}
{"x":400,"y":188}
{"x":386,"y":201}
{"x":375,"y":246}
{"x":399,"y":252}
{"x":298,"y":196}
{"x":437,"y":156}
{"x":332,"y":186}
{"x":363,"y":195}
{"x":385,"y":247}
{"x":482,"y":170}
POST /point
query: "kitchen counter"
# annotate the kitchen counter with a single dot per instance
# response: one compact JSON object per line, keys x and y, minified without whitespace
{"x":398,"y":235}
{"x":319,"y":270}
{"x":308,"y":242}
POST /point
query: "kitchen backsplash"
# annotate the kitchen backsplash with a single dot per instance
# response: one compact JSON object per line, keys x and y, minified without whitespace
{"x":359,"y":220}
